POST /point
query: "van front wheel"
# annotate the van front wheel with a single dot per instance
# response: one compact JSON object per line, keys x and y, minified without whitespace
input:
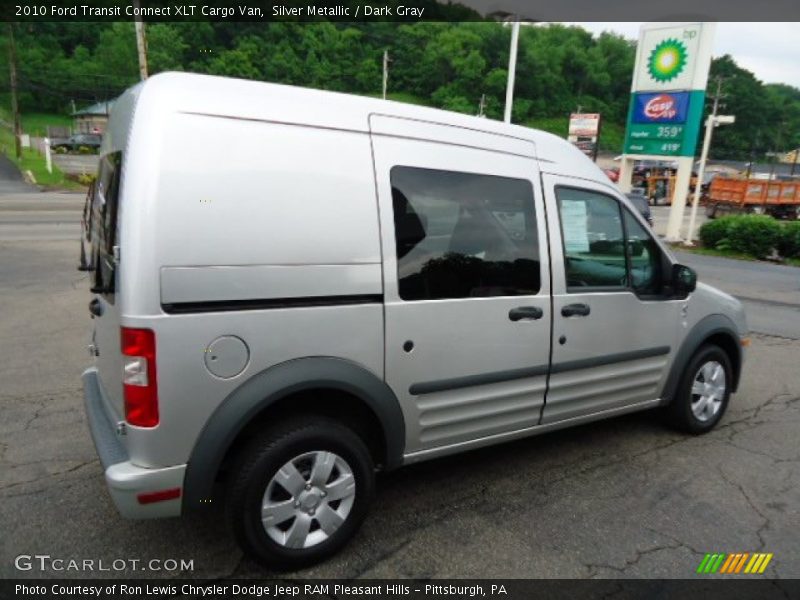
{"x":300,"y":492}
{"x":704,"y":391}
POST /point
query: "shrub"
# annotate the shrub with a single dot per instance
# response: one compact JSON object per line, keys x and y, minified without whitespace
{"x":86,"y":179}
{"x":789,"y":240}
{"x":754,"y":235}
{"x":83,"y":178}
{"x":713,"y":231}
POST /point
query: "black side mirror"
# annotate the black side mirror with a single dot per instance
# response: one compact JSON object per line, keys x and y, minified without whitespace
{"x":684,"y":280}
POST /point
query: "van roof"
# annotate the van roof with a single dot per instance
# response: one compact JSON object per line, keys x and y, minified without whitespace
{"x":260,"y":101}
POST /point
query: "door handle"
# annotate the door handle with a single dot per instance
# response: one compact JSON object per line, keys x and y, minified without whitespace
{"x":575,"y":310}
{"x":96,"y":308}
{"x":525,"y":312}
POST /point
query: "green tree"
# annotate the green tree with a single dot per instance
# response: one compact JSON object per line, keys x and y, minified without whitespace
{"x":165,"y":48}
{"x":444,"y":64}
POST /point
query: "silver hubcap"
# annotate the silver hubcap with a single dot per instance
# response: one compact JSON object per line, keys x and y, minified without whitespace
{"x":308,"y":499}
{"x":708,"y":390}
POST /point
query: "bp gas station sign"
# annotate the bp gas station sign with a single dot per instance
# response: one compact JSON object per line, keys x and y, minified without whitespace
{"x":665,"y":111}
{"x":668,"y":91}
{"x":665,"y":123}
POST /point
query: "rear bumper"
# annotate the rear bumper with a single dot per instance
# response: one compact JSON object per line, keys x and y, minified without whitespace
{"x":124,"y":479}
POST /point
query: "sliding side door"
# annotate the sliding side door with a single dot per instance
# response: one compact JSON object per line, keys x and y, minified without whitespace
{"x":466,"y":281}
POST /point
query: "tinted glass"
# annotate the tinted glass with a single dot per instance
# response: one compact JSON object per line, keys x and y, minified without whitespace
{"x":594,"y":248}
{"x":461,"y":235}
{"x":104,"y":222}
{"x":645,"y":258}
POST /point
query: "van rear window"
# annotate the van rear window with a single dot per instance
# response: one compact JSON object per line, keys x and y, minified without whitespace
{"x":104,"y":224}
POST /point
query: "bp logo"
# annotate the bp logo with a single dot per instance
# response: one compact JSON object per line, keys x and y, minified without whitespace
{"x":667,"y":60}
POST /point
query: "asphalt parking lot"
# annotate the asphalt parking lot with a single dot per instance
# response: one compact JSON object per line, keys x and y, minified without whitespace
{"x":621,"y":498}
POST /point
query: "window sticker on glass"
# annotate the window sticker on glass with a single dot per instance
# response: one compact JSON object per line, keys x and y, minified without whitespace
{"x":573,"y":222}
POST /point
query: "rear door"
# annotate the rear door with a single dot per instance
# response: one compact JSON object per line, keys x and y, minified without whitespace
{"x":614,"y":330}
{"x":466,"y":281}
{"x":103,"y":225}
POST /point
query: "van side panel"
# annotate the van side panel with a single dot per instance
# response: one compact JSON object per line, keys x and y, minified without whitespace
{"x":293,"y":195}
{"x":189,"y":393}
{"x":248,"y":211}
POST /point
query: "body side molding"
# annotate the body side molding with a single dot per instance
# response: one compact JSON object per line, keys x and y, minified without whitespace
{"x":269,"y":386}
{"x":441,"y":385}
{"x":609,"y":359}
{"x":269,"y":303}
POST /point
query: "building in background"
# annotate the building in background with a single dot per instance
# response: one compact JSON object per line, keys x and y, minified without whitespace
{"x":92,"y":119}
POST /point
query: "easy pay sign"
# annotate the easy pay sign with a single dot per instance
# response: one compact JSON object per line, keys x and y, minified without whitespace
{"x":668,"y":90}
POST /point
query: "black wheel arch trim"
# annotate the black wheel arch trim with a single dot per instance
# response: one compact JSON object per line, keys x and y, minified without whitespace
{"x":704,"y":329}
{"x":268,"y":387}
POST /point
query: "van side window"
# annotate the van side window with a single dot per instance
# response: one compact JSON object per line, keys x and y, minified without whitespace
{"x":644,"y":257}
{"x":463,"y":235}
{"x":104,"y":223}
{"x":594,"y":246}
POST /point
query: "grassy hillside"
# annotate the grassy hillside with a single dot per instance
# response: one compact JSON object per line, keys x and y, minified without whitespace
{"x":35,"y":125}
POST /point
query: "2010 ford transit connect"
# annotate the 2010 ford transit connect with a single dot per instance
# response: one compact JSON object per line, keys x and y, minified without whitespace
{"x":293,"y":288}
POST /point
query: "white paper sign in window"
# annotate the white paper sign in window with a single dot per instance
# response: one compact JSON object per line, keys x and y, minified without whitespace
{"x":574,"y":226}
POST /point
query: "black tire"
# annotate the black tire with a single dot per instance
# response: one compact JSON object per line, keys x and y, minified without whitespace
{"x":679,"y":412}
{"x":711,"y":211}
{"x":264,"y":457}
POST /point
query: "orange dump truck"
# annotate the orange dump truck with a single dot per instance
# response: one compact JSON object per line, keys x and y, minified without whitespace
{"x":726,"y":196}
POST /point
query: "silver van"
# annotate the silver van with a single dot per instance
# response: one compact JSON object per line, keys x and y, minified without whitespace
{"x":293,"y":289}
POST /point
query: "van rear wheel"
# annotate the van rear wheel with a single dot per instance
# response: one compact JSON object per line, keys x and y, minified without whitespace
{"x":704,"y":391}
{"x":300,"y":492}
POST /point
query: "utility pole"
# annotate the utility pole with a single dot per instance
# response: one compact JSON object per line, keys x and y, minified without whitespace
{"x":512,"y":69}
{"x":12,"y":61}
{"x":482,"y":106}
{"x":711,"y":122}
{"x":141,"y":42}
{"x":717,"y":97}
{"x":385,"y":71}
{"x":753,"y":143}
{"x":777,"y":150}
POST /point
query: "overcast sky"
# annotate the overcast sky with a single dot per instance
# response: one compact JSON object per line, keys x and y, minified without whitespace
{"x":770,"y":50}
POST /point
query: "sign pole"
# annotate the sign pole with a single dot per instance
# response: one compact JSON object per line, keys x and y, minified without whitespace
{"x":682,"y":181}
{"x":48,"y":160}
{"x":625,"y":174}
{"x":597,"y":139}
{"x":699,"y":183}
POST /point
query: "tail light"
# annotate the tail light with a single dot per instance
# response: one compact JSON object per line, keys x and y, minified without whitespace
{"x":160,"y":496}
{"x":139,"y":376}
